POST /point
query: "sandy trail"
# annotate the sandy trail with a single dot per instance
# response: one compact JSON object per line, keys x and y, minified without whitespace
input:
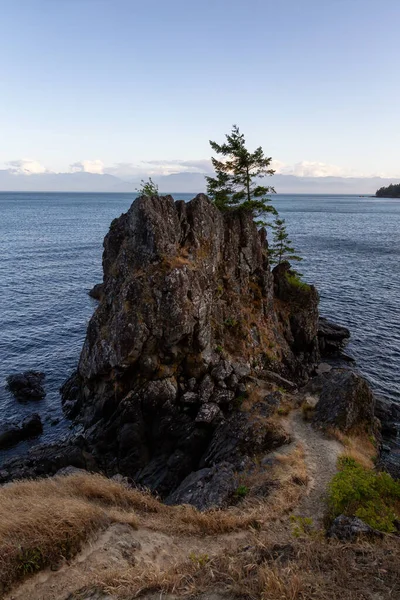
{"x":321,"y":454}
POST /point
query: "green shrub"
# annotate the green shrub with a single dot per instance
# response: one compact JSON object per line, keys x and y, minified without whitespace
{"x":242,"y":491}
{"x":294,"y":280}
{"x":301,"y":525}
{"x":373,"y":497}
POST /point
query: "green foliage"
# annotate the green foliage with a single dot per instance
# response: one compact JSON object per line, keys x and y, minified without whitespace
{"x":301,"y":525}
{"x":373,"y":497}
{"x":30,"y":560}
{"x":391,"y":191}
{"x":147,"y":188}
{"x":234,"y":184}
{"x":219,"y":349}
{"x":199,"y":559}
{"x":281,"y":248}
{"x":295,"y":281}
{"x":242,"y":491}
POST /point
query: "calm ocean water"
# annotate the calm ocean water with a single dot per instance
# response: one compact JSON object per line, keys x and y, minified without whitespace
{"x":51,"y":248}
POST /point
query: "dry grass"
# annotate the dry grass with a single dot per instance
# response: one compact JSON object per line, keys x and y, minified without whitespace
{"x":266,"y":570}
{"x":46,"y":520}
{"x":358,"y":445}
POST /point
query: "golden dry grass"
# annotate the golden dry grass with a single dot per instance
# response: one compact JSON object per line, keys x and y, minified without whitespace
{"x":45,"y":520}
{"x":358,"y":445}
{"x":266,"y":570}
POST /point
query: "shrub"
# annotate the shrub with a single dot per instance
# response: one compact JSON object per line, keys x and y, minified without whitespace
{"x":371,"y":496}
{"x":242,"y":491}
{"x":301,"y":525}
{"x":294,"y":280}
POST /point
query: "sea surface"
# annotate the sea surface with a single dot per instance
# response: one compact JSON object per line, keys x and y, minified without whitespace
{"x":50,"y":256}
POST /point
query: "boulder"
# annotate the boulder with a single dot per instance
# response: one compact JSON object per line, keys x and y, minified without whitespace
{"x":345,"y":401}
{"x":212,"y":487}
{"x":27,"y":385}
{"x":351,"y":528}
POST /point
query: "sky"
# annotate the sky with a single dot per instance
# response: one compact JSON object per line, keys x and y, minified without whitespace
{"x":127,"y":87}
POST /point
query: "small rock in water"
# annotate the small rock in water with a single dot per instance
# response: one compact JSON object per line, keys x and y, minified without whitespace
{"x":27,"y":385}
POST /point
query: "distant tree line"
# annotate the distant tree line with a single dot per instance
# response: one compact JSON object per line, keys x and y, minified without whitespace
{"x":391,"y":191}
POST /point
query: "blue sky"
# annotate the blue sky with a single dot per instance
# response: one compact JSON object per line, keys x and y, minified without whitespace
{"x":121,"y":86}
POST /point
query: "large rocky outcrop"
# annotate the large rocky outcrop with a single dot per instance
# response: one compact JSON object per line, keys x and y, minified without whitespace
{"x":189,"y":310}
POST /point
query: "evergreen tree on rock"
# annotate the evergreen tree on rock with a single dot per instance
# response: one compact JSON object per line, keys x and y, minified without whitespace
{"x":281,"y":248}
{"x":236,"y":183}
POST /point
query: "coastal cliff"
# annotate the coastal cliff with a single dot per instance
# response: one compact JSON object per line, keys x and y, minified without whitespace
{"x":190,"y":314}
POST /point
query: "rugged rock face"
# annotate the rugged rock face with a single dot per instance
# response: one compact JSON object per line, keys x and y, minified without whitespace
{"x":189,"y":310}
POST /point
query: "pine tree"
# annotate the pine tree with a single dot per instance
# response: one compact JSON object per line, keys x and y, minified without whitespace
{"x":281,"y":248}
{"x":235,"y":182}
{"x":147,"y":188}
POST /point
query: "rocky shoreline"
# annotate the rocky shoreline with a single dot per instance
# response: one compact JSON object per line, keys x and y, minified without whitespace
{"x":193,"y":345}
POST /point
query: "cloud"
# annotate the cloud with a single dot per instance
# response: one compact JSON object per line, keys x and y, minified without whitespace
{"x":88,"y":166}
{"x":26,"y":166}
{"x":314,"y":169}
{"x":154,"y":168}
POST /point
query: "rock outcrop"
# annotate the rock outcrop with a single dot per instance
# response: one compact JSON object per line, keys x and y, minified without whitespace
{"x":341,"y":398}
{"x":96,"y":292}
{"x":48,"y":459}
{"x":345,"y":401}
{"x":15,"y":432}
{"x":27,"y":385}
{"x":189,"y":310}
{"x":332,"y":338}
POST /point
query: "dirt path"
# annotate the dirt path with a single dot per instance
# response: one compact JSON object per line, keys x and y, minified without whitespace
{"x":121,"y":546}
{"x":321,"y":454}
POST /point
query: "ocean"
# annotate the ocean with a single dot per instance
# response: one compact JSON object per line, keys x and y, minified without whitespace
{"x":51,"y":250}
